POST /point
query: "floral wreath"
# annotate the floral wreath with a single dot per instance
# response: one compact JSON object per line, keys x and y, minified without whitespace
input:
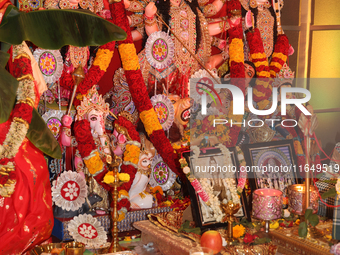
{"x":165,"y":110}
{"x":161,"y":174}
{"x":69,"y":191}
{"x":87,"y":229}
{"x":20,"y":119}
{"x":159,"y":50}
{"x":50,"y":63}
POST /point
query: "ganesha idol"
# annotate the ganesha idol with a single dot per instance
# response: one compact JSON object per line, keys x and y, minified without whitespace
{"x":139,"y":197}
{"x":94,"y":109}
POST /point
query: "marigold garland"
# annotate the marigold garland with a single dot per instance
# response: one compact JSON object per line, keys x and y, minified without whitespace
{"x":150,"y":120}
{"x":131,"y":153}
{"x":237,"y":75}
{"x":139,"y":92}
{"x":128,"y":56}
{"x":280,"y":55}
{"x":94,"y":163}
{"x":103,"y":59}
{"x":236,"y":50}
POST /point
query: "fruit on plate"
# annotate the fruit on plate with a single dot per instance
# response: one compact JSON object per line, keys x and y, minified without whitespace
{"x":213,"y":240}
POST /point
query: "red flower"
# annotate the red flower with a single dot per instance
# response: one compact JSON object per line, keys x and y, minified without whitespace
{"x":3,"y":179}
{"x":125,"y":202}
{"x":248,"y":238}
{"x":23,"y":111}
{"x":22,"y":66}
{"x":159,"y":197}
{"x":12,"y":175}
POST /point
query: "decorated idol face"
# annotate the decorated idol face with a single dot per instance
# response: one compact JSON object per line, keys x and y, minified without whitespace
{"x":145,"y":161}
{"x":182,"y":110}
{"x":96,"y":120}
{"x":249,"y":72}
{"x":147,"y":154}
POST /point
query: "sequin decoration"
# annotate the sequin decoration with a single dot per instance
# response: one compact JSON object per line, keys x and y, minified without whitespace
{"x":69,"y":191}
{"x":87,"y":229}
{"x":164,"y":109}
{"x":50,"y":63}
{"x":161,"y":174}
{"x":159,"y":50}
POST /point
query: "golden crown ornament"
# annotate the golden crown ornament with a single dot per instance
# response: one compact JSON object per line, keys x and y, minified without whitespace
{"x":92,"y":101}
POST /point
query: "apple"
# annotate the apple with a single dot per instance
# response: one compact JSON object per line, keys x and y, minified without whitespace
{"x":213,"y":240}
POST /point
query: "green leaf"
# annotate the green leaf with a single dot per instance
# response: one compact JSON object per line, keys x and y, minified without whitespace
{"x":4,"y":57}
{"x":329,"y":193}
{"x":8,"y":88}
{"x":53,"y":29}
{"x":303,"y":229}
{"x":5,"y":46}
{"x":313,"y":220}
{"x":308,"y":213}
{"x":40,"y":135}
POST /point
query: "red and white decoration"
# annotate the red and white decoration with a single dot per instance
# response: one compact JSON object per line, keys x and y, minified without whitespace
{"x":88,"y":230}
{"x":69,"y":191}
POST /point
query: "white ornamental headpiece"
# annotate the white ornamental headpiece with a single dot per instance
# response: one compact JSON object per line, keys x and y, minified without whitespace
{"x":92,"y":101}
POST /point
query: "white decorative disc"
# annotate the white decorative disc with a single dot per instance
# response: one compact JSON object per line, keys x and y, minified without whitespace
{"x":159,"y":50}
{"x":164,"y":109}
{"x":50,"y":63}
{"x":87,"y":229}
{"x":161,"y":174}
{"x":53,"y":121}
{"x":69,"y":191}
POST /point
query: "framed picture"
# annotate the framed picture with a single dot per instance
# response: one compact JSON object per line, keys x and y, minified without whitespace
{"x":203,"y":213}
{"x":272,"y":165}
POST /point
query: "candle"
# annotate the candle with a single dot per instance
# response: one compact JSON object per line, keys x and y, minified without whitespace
{"x":267,"y":204}
{"x":297,"y":199}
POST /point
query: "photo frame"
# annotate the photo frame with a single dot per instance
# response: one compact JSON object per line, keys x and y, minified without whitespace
{"x":198,"y":206}
{"x":273,"y":165}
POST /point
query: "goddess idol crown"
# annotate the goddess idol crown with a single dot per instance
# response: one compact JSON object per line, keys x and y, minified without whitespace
{"x":285,"y":75}
{"x":92,"y":101}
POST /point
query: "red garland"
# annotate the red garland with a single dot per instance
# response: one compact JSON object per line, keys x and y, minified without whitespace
{"x":138,"y":93}
{"x":254,"y":39}
{"x":121,"y":121}
{"x":281,"y":46}
{"x":167,"y":152}
{"x":82,"y":132}
{"x":140,"y":96}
